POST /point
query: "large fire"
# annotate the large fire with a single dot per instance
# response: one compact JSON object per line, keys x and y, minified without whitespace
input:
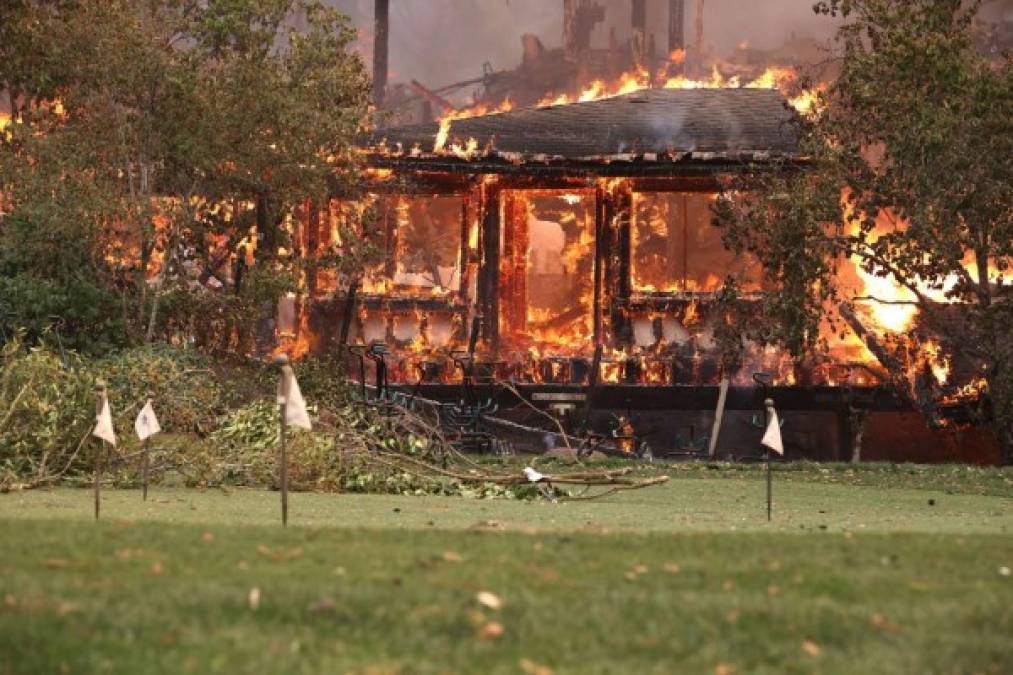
{"x":784,"y":79}
{"x":558,"y":298}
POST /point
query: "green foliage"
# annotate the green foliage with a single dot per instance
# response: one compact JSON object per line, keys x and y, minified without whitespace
{"x":916,"y":127}
{"x":48,"y":404}
{"x":222,"y":322}
{"x":174,"y":118}
{"x":187,"y":395}
{"x":246,"y":445}
{"x":71,"y":314}
{"x":221,"y":426}
{"x":44,"y":413}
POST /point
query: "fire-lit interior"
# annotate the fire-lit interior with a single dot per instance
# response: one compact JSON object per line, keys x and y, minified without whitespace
{"x":553,"y":272}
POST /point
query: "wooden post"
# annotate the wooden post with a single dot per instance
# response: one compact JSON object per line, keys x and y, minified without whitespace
{"x":282,"y":362}
{"x":380,"y":50}
{"x":719,"y":415}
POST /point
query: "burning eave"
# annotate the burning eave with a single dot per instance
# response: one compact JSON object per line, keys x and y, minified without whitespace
{"x":626,"y":165}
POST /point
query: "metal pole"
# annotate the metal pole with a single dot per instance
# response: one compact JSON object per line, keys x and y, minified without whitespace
{"x":282,"y":362}
{"x":100,"y":397}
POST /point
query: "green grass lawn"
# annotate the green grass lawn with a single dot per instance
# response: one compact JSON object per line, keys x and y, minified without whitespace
{"x":857,"y":574}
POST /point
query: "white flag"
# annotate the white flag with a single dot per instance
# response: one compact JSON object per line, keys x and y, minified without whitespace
{"x":104,"y":423}
{"x":146,"y":425}
{"x":532,"y":475}
{"x":772,"y":436}
{"x":290,"y":396}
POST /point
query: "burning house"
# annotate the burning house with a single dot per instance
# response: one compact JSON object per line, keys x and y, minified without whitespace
{"x":561,"y":260}
{"x":564,"y":258}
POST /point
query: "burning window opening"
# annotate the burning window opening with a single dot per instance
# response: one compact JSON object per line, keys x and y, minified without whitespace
{"x":676,"y":248}
{"x":547,"y":264}
{"x":421,"y":247}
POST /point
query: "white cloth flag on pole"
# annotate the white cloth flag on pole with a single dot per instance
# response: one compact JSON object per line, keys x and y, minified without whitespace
{"x":146,"y":425}
{"x":772,"y":436}
{"x":104,"y":423}
{"x":532,"y":475}
{"x":290,"y":396}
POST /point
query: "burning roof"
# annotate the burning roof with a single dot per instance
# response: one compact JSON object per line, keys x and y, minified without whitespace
{"x":651,"y":125}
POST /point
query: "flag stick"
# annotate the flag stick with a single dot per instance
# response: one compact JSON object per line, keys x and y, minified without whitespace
{"x":146,"y":459}
{"x":282,"y":361}
{"x":770,"y":487}
{"x":768,"y":408}
{"x":100,"y":396}
{"x":144,"y":477}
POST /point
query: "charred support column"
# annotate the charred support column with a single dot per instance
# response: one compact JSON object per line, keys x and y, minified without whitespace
{"x":638,"y":20}
{"x":312,"y":245}
{"x":601,"y":251}
{"x":464,"y":265}
{"x":677,"y":27}
{"x":579,"y":20}
{"x":623,"y":205}
{"x":698,"y":59}
{"x":488,"y":287}
{"x":570,"y":40}
{"x":380,"y":47}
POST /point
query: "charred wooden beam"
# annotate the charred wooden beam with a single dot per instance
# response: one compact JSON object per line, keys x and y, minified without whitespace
{"x":348,"y":312}
{"x":579,"y":19}
{"x":488,"y":288}
{"x":702,"y":398}
{"x":677,"y":27}
{"x":395,"y":303}
{"x":918,"y":392}
{"x":638,"y":22}
{"x":676,"y":184}
{"x":621,"y":326}
{"x":878,"y":349}
{"x":381,"y":38}
{"x":570,"y":45}
{"x":422,"y":183}
{"x":312,"y":244}
{"x":601,"y":251}
{"x":698,"y":47}
{"x":432,"y":97}
{"x":576,"y":169}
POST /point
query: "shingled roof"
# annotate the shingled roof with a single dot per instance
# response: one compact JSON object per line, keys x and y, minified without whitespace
{"x":650,"y":125}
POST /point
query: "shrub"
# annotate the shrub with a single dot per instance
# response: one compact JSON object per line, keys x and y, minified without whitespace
{"x":44,"y":421}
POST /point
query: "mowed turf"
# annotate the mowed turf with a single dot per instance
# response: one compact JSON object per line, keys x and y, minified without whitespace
{"x":686,"y":577}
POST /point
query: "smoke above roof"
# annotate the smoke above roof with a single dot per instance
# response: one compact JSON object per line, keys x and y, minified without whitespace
{"x":442,"y":41}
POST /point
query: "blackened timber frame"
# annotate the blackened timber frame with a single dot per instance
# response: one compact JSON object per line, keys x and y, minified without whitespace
{"x":488,"y":288}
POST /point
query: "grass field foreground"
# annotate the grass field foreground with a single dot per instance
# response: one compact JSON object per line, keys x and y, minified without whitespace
{"x":683,"y":578}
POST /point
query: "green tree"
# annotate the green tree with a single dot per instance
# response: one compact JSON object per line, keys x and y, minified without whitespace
{"x":163,"y":133}
{"x":918,"y":126}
